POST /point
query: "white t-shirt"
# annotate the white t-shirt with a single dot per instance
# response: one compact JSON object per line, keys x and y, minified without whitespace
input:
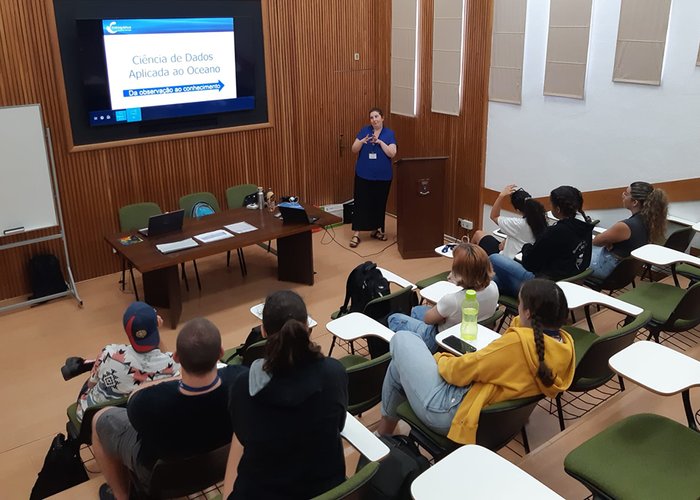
{"x":450,"y":306}
{"x":518,"y":232}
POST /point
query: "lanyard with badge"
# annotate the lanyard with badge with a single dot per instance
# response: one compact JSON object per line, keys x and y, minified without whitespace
{"x":373,"y":154}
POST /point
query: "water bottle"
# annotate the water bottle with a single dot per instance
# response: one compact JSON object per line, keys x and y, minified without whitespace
{"x":261,"y":198}
{"x":470,"y":315}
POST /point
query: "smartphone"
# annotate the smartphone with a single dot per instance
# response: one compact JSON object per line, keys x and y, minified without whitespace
{"x":458,"y":344}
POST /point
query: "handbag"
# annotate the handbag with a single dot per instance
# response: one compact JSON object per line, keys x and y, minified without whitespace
{"x":62,"y":469}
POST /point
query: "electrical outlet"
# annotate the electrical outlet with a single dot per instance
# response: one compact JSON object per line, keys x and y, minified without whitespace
{"x":465,"y":224}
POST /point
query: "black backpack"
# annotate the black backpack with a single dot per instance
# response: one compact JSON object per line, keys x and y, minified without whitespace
{"x":364,"y":284}
{"x":397,"y":471}
{"x":45,"y":276}
{"x":62,"y":469}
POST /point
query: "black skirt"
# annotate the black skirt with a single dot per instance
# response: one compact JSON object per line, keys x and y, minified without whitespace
{"x":370,"y":204}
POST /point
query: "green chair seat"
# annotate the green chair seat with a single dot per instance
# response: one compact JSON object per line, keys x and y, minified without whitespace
{"x":236,"y":194}
{"x":352,"y":360}
{"x":583,"y":340}
{"x":407,"y":414}
{"x":580,"y":277}
{"x":689,"y":271}
{"x":659,"y":298}
{"x":643,"y":456}
{"x":509,"y":302}
{"x":432,"y":280}
{"x":352,"y":485}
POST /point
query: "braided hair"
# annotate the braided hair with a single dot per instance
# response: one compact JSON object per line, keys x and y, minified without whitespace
{"x":288,"y":343}
{"x":654,"y":208}
{"x":548,"y":309}
{"x":569,"y":200}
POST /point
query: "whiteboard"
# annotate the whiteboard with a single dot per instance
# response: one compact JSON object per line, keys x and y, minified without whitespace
{"x":26,"y":196}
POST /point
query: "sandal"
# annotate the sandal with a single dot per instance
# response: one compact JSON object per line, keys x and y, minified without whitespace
{"x":378,"y":235}
{"x":354,"y":241}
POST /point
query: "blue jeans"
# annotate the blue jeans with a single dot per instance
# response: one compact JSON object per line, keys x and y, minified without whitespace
{"x":510,"y":274}
{"x":413,"y":376}
{"x":400,"y":322}
{"x":603,"y":262}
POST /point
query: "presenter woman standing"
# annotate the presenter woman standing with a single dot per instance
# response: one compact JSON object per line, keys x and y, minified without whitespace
{"x":376,"y":146}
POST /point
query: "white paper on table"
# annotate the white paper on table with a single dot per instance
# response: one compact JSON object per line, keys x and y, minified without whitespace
{"x":177,"y":245}
{"x":217,"y":235}
{"x":240,"y":227}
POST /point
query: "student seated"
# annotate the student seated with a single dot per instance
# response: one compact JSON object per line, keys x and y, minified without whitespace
{"x":520,"y":230}
{"x":169,"y":418}
{"x":534,"y":356}
{"x":649,"y":207}
{"x":121,"y":368}
{"x":562,"y":250}
{"x":471,"y":269}
{"x":288,"y":413}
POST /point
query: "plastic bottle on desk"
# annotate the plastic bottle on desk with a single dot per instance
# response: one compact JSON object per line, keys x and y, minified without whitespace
{"x":261,"y":198}
{"x":470,"y":316}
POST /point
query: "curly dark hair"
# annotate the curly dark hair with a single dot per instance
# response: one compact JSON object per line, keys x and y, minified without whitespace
{"x":654,"y":208}
{"x":569,"y":201}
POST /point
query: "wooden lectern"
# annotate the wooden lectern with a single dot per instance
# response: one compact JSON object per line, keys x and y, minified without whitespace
{"x":420,"y":189}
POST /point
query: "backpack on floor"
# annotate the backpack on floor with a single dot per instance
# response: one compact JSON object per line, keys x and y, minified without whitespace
{"x":201,"y":209}
{"x":364,"y":284}
{"x":45,"y":276}
{"x":62,"y":469}
{"x":396,"y":471}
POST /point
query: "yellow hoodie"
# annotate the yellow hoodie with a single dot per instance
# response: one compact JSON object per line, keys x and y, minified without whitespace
{"x":505,"y":369}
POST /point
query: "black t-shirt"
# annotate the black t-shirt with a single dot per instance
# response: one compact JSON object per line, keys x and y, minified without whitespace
{"x":171,"y":424}
{"x":639,"y":235}
{"x":290,"y":431}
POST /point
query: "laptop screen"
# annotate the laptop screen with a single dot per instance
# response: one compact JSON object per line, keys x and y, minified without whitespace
{"x":168,"y":222}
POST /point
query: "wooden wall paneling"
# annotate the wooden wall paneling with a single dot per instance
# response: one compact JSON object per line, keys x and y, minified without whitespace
{"x":462,"y":138}
{"x":316,"y":88}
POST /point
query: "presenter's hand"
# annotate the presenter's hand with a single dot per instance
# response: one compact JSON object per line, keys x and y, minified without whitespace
{"x":368,"y":138}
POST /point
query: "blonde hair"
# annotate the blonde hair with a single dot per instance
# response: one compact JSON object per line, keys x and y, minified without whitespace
{"x":471,"y":266}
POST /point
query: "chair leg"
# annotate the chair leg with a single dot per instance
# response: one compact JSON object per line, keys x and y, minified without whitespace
{"x":352,"y":347}
{"x":675,"y":276}
{"x":133,"y":283}
{"x":330,"y":351}
{"x":573,"y":317}
{"x":196,"y":273}
{"x":560,"y":413}
{"x":503,"y":320}
{"x":228,"y":258}
{"x":184,"y":277}
{"x":589,"y":320}
{"x":654,"y":334}
{"x":526,"y":443}
{"x":622,"y":383}
{"x":123,"y":280}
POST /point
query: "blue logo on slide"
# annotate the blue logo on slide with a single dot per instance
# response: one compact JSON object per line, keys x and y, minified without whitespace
{"x":113,"y":27}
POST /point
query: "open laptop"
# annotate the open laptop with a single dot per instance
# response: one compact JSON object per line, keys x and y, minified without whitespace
{"x":293,"y":213}
{"x":168,"y":222}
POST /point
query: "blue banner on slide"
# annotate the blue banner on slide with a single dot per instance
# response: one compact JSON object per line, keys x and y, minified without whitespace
{"x":111,"y":116}
{"x":174,"y":89}
{"x":153,"y":26}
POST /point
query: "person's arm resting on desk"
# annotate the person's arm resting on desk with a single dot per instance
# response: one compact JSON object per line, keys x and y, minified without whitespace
{"x":616,"y":233}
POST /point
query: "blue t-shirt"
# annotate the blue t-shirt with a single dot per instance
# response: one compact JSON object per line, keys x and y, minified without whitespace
{"x":378,"y":169}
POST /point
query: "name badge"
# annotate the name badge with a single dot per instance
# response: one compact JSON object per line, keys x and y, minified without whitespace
{"x":373,"y":156}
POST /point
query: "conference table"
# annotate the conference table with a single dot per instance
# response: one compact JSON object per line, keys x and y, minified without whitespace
{"x":161,"y":280}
